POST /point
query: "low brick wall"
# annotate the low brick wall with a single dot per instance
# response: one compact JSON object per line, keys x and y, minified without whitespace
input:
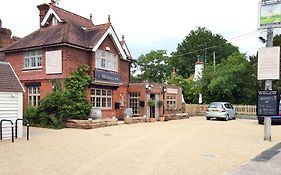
{"x":177,"y":116}
{"x":90,"y":124}
{"x":131,"y":120}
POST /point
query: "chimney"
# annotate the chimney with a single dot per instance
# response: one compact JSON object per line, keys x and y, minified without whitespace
{"x":0,"y":24}
{"x":91,"y":16}
{"x":123,"y":38}
{"x":43,"y":9}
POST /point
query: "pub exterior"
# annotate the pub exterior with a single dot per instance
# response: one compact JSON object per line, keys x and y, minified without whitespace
{"x":66,"y":41}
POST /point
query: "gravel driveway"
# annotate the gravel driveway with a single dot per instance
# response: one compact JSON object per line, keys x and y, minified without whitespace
{"x":189,"y":146}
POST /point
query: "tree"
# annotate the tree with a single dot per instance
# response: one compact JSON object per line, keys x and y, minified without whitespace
{"x":232,"y":81}
{"x":277,"y":42}
{"x":153,"y":67}
{"x":200,"y":43}
{"x":190,"y":89}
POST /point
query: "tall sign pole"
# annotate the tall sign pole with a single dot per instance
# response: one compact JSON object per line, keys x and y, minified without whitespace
{"x":268,"y":62}
{"x":268,"y":86}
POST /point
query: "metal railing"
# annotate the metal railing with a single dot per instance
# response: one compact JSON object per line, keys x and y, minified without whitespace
{"x":27,"y":128}
{"x":12,"y":128}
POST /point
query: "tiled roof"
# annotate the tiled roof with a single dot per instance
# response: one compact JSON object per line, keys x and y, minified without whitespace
{"x":65,"y":33}
{"x":67,"y":16}
{"x":2,"y":56}
{"x":72,"y":30}
{"x":8,"y":80}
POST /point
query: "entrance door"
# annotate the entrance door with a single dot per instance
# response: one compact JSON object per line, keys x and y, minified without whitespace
{"x":152,"y":110}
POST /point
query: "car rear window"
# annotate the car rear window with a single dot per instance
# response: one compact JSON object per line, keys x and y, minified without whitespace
{"x":215,"y":105}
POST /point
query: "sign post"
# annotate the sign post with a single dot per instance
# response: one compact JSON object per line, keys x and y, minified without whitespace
{"x":269,"y":57}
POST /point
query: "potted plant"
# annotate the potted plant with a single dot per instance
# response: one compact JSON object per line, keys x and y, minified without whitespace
{"x":151,"y":103}
{"x":159,"y":104}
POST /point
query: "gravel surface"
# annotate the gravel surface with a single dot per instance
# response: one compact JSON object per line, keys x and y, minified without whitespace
{"x":189,"y":146}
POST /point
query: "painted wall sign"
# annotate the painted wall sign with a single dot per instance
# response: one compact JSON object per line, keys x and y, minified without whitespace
{"x":172,"y":91}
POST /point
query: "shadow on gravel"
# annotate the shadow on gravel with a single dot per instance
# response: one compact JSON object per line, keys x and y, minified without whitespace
{"x":268,"y":154}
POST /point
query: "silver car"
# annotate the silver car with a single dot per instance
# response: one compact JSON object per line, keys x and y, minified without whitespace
{"x":220,"y":110}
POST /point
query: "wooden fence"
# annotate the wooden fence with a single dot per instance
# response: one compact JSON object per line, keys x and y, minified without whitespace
{"x":240,"y":109}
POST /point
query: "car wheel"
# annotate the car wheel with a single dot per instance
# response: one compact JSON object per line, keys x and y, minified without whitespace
{"x":226,"y":118}
{"x":260,"y":122}
{"x":234,"y":117}
{"x":208,"y":118}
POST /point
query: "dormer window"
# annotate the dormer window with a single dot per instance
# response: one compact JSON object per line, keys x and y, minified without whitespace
{"x":54,"y":21}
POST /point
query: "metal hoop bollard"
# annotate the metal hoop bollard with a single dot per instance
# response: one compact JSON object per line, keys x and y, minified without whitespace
{"x":12,"y":127}
{"x":27,"y":128}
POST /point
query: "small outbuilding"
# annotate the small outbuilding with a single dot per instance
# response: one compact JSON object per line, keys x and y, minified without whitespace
{"x":11,"y":99}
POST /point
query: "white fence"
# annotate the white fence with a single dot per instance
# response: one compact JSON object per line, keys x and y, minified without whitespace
{"x":240,"y":109}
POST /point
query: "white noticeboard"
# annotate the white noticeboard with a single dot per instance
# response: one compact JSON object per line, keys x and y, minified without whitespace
{"x":269,"y":63}
{"x":54,"y":62}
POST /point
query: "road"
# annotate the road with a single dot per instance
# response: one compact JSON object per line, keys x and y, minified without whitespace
{"x":189,"y":146}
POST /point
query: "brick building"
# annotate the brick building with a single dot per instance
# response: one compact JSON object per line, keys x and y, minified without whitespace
{"x":64,"y":42}
{"x":6,"y":38}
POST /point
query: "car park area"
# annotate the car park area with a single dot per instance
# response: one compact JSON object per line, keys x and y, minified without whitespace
{"x":188,"y":146}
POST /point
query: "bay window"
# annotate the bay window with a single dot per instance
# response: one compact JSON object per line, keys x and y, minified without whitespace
{"x":106,"y":60}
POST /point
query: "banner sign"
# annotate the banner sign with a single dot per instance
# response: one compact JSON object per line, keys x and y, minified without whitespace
{"x":105,"y":76}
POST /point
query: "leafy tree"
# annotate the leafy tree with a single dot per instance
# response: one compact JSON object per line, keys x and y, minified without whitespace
{"x":231,"y":81}
{"x":277,"y":42}
{"x":190,"y":89}
{"x":200,"y":43}
{"x":153,"y":67}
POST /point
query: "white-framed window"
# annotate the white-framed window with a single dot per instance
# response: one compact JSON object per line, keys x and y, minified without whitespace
{"x":33,"y":59}
{"x":106,"y":60}
{"x":101,"y":98}
{"x":171,"y":102}
{"x":33,"y":94}
{"x":134,"y":102}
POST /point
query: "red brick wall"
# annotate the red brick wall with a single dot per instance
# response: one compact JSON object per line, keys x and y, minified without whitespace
{"x":108,"y":42}
{"x":139,"y":88}
{"x":157,"y":89}
{"x":71,"y":59}
{"x":124,"y":71}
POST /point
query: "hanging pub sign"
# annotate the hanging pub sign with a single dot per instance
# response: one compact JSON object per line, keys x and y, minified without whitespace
{"x":269,"y":14}
{"x":267,"y":103}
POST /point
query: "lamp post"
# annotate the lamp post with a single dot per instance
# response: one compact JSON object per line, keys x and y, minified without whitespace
{"x":164,"y":90}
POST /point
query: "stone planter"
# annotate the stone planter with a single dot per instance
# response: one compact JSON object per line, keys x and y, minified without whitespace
{"x":152,"y":119}
{"x":161,"y":119}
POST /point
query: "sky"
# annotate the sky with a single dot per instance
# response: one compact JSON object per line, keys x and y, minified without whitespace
{"x":151,"y":24}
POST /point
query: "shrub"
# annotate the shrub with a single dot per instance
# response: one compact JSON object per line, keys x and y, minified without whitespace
{"x":30,"y":114}
{"x":68,"y":104}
